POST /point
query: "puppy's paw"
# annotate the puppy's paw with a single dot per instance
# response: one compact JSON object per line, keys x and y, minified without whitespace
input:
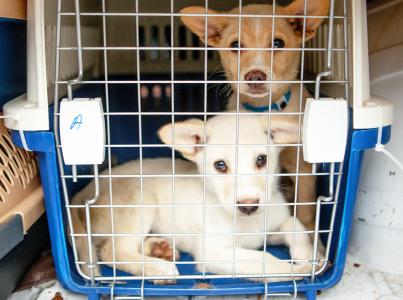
{"x":302,"y":268}
{"x":164,"y":281}
{"x":160,"y":248}
{"x":163,"y":270}
{"x":302,"y":252}
{"x":305,"y":253}
{"x":306,"y":267}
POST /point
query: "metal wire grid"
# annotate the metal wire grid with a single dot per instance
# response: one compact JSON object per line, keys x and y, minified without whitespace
{"x":331,"y":199}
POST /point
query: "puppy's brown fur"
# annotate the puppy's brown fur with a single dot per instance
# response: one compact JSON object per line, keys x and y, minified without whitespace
{"x":279,"y":65}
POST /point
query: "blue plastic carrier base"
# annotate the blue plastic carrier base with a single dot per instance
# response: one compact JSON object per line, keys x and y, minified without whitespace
{"x":121,"y":97}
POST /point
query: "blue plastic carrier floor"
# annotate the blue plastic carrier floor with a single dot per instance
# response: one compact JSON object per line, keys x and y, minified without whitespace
{"x":358,"y":283}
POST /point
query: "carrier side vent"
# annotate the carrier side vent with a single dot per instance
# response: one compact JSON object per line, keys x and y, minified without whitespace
{"x":20,"y":188}
{"x":15,"y":165}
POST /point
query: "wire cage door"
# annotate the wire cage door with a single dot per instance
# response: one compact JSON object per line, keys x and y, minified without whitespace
{"x":150,"y":71}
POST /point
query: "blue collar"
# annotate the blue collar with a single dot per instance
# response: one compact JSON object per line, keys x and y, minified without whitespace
{"x":276,"y":106}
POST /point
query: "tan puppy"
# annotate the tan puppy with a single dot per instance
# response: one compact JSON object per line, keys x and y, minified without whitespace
{"x":257,"y":67}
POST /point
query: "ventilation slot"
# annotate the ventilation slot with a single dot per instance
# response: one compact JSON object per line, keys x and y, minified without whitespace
{"x":15,"y":164}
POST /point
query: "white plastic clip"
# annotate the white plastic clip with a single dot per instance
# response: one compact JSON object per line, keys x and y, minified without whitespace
{"x":82,"y":131}
{"x":325,"y":130}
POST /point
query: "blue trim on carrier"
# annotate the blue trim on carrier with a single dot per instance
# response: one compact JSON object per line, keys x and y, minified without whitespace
{"x":43,"y":143}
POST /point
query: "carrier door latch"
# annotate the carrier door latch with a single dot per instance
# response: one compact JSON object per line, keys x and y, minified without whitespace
{"x":325,"y":130}
{"x":82,"y":131}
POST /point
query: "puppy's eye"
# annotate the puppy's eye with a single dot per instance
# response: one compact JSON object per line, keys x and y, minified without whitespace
{"x":278,"y":43}
{"x":261,"y":161}
{"x":221,"y":166}
{"x":235,"y":45}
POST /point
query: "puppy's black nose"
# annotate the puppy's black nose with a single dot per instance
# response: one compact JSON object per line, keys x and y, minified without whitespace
{"x":245,"y":209}
{"x":255,"y":75}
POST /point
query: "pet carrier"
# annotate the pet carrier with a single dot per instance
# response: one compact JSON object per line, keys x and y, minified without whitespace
{"x":134,"y":66}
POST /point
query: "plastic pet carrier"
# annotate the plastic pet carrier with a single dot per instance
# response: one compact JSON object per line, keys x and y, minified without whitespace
{"x":132,"y":67}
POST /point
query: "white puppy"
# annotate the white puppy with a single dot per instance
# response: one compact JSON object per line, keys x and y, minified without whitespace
{"x":234,"y":199}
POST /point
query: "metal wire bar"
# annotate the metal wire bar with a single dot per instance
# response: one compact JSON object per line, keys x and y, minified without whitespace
{"x":229,"y":15}
{"x":140,"y":132}
{"x":195,"y":234}
{"x":207,"y":276}
{"x":88,"y":204}
{"x":329,"y":58}
{"x":205,"y":70}
{"x":191,"y":262}
{"x":268,"y":139}
{"x":195,"y":175}
{"x":238,"y":66}
{"x":79,"y":77}
{"x":301,"y":89}
{"x":212,"y":146}
{"x":201,"y":114}
{"x":196,"y":205}
{"x":176,"y":48}
{"x":108,"y":129}
{"x":198,"y":81}
{"x":172,"y":54}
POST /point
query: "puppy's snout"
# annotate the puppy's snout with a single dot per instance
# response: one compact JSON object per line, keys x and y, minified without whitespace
{"x":244,"y":207}
{"x":255,"y":75}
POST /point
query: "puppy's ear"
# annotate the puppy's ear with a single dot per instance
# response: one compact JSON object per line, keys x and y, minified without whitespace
{"x":196,"y":24}
{"x":187,"y":135}
{"x":283,"y":129}
{"x":313,"y":8}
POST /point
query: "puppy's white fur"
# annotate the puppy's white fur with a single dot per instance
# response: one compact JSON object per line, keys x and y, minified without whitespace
{"x":204,"y":231}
